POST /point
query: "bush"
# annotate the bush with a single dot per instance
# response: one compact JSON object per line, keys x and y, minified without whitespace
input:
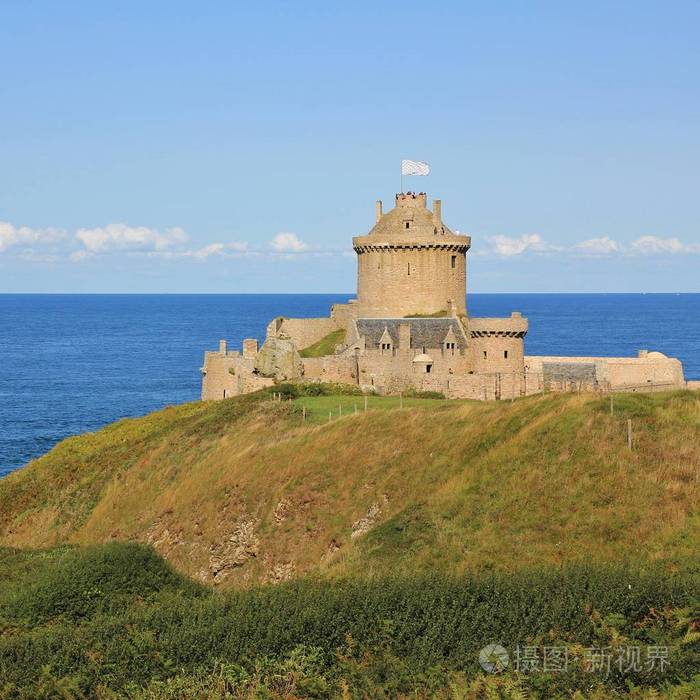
{"x":415,"y":394}
{"x":294,"y":391}
{"x":156,"y":635}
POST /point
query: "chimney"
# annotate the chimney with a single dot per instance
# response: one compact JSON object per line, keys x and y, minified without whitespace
{"x":222,"y":347}
{"x":378,"y":209}
{"x":437,"y":212}
{"x":404,"y":338}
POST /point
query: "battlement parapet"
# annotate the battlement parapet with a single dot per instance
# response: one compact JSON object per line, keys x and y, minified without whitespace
{"x":412,"y":199}
{"x":513,"y":327}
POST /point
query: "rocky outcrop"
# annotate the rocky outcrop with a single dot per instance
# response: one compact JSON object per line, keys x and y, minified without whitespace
{"x":279,"y":358}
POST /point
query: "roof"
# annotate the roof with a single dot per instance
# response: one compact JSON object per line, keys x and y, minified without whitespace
{"x":422,"y":223}
{"x":425,"y":332}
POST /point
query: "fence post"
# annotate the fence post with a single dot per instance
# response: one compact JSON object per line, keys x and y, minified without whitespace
{"x":355,"y":407}
{"x":612,"y":405}
{"x":330,"y":416}
{"x":401,"y":400}
{"x":365,"y":402}
{"x":303,"y":414}
{"x":340,"y":409}
{"x":629,"y":433}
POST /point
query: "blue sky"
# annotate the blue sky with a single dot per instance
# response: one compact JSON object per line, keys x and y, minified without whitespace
{"x":237,"y":147}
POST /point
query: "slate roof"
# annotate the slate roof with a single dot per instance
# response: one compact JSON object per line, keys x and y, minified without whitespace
{"x":425,"y":332}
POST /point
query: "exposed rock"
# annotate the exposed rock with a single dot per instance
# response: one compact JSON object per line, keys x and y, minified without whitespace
{"x":279,"y":358}
{"x":282,"y":510}
{"x":365,"y":524}
{"x":281,"y":572}
{"x":162,"y":539}
{"x":240,"y":546}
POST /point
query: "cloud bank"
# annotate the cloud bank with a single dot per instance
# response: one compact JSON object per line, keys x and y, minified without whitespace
{"x":55,"y":244}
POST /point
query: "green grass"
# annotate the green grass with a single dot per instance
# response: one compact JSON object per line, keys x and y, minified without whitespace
{"x":325,"y":346}
{"x":438,"y":314}
{"x":318,"y":408}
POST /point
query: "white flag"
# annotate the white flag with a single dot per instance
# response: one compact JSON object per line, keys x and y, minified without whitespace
{"x":413,"y":167}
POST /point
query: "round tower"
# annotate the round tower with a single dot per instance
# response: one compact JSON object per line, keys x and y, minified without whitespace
{"x":410,"y":263}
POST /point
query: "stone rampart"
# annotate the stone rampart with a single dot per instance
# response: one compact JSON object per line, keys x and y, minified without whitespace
{"x":307,"y":331}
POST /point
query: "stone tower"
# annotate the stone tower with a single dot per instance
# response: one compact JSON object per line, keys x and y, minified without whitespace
{"x":410,"y":263}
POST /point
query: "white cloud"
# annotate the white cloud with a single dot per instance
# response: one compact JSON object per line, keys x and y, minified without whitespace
{"x":124,"y":238}
{"x":596,"y":247}
{"x":506,"y":247}
{"x":653,"y":245}
{"x":288,"y":243}
{"x":11,"y":236}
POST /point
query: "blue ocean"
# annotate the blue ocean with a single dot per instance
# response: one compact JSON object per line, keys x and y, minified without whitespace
{"x":72,"y":363}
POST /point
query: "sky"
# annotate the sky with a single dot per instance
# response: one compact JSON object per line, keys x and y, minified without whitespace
{"x":238,"y":147}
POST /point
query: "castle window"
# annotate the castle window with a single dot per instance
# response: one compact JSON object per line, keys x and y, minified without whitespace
{"x":408,"y":224}
{"x":454,"y":262}
{"x":409,"y":269}
{"x":485,"y":354}
{"x":428,"y":368}
{"x":505,"y":354}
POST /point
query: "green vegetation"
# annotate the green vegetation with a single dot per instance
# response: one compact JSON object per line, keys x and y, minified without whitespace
{"x":318,"y":408}
{"x":401,"y":540}
{"x":115,"y":621}
{"x":325,"y":346}
{"x":438,"y":314}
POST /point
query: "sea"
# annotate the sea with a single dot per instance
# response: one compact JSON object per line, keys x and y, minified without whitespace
{"x":73,"y":363}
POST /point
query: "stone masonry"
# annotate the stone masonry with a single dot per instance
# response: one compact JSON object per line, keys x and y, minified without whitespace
{"x":408,"y":329}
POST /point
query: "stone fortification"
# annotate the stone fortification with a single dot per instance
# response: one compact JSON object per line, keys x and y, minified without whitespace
{"x":410,"y":263}
{"x":409,"y":330}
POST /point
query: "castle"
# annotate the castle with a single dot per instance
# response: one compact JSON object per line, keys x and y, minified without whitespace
{"x":408,"y":330}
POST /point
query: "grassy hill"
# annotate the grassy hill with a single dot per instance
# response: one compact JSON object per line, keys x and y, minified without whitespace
{"x":247,"y":490}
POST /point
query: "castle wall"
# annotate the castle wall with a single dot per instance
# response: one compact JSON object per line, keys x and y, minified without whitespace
{"x":217,"y":381}
{"x":340,"y":369}
{"x":344,"y":313}
{"x":497,"y":354}
{"x":391,"y":371}
{"x":228,"y":373}
{"x":649,"y":372}
{"x":307,"y":331}
{"x":402,"y":280}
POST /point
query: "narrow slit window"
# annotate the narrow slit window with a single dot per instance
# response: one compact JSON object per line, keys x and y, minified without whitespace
{"x":485,"y":355}
{"x":505,"y":354}
{"x":408,"y":224}
{"x":454,"y":262}
{"x":409,"y":269}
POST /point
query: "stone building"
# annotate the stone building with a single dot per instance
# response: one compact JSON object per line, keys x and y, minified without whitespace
{"x":408,"y":330}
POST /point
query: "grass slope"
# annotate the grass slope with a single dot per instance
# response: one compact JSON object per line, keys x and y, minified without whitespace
{"x":325,"y":346}
{"x":243,"y":491}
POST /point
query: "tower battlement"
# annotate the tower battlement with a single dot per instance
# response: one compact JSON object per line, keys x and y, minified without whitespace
{"x":412,"y":199}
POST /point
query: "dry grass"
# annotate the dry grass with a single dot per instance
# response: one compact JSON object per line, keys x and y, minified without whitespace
{"x":457,"y":486}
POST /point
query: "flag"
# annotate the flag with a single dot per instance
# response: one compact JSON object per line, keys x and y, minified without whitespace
{"x":414,"y":167}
